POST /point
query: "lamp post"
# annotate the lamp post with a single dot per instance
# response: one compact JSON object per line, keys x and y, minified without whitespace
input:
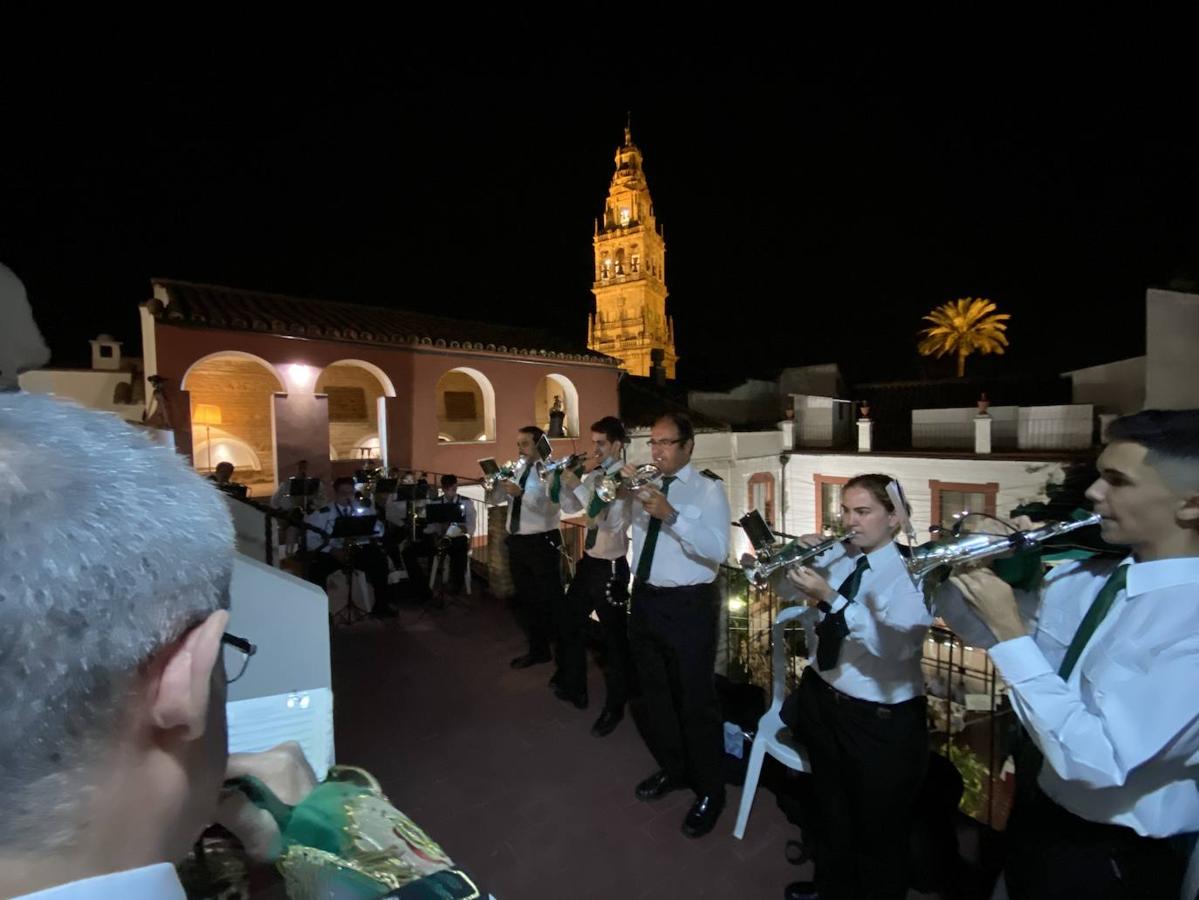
{"x":207,"y":414}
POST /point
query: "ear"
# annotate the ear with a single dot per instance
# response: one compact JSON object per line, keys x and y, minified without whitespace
{"x":1187,"y":514}
{"x":183,"y":689}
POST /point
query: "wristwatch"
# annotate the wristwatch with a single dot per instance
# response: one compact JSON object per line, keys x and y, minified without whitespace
{"x":674,"y":517}
{"x":824,"y":607}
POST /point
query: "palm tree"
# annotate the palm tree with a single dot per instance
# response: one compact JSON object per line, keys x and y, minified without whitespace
{"x":962,"y":327}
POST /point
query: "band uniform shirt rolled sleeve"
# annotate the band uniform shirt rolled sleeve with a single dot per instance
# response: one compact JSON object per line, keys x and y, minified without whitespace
{"x":887,"y":621}
{"x":1120,"y":737}
{"x":692,"y":549}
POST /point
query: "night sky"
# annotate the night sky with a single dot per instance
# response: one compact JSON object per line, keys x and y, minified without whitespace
{"x":817,"y":199}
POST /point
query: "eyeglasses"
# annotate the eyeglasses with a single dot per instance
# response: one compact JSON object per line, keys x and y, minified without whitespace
{"x":237,"y":651}
{"x":664,"y":442}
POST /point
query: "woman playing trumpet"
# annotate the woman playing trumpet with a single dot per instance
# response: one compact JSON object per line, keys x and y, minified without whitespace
{"x":860,"y":707}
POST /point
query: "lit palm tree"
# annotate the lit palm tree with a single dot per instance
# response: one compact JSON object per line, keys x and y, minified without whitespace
{"x":962,"y":327}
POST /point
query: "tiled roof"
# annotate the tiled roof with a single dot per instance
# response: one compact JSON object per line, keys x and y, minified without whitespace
{"x":213,"y":306}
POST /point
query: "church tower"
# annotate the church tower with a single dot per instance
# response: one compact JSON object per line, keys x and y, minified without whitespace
{"x":630,"y":318}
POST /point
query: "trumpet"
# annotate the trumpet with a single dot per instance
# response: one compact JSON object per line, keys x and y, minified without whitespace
{"x":507,"y":472}
{"x":759,"y":569}
{"x":647,"y":474}
{"x":550,"y":466}
{"x":967,"y":548}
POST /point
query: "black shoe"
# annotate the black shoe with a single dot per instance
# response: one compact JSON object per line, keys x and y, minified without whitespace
{"x":801,"y":890}
{"x":579,"y":700}
{"x":702,"y":816}
{"x":556,"y":678}
{"x":529,"y":659}
{"x":607,"y":722}
{"x":658,"y":785}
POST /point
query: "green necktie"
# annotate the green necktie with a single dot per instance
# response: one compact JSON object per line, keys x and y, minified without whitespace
{"x":646,"y":562}
{"x":514,"y":524}
{"x":1096,"y":614}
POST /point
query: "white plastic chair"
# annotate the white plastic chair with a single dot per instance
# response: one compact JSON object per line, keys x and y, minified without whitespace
{"x":773,"y":736}
{"x":337,"y":589}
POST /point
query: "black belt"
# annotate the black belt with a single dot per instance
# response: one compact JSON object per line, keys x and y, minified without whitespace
{"x":842,"y":697}
{"x":536,"y":534}
{"x":643,"y":587}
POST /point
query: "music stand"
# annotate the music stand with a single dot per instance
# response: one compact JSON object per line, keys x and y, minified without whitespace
{"x":443,"y":514}
{"x":351,"y":529}
{"x":303,"y":490}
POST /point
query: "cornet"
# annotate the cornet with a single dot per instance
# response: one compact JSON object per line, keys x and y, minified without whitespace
{"x":507,"y":472}
{"x":647,"y":474}
{"x":768,"y":561}
{"x":550,"y":466}
{"x":967,"y":548}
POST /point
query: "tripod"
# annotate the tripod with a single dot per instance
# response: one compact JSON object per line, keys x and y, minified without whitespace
{"x":351,"y":612}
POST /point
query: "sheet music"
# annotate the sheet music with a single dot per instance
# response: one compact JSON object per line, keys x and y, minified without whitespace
{"x":304,"y":716}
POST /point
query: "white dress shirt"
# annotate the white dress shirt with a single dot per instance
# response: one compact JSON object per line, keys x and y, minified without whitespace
{"x":612,"y":523}
{"x":887,"y":620}
{"x":692,"y":549}
{"x":1121,"y":737}
{"x":156,"y":882}
{"x":324,"y":518}
{"x":538,"y":513}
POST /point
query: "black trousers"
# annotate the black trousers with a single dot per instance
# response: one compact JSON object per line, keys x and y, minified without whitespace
{"x":536,"y":567}
{"x":370,"y":558}
{"x":1053,"y":853}
{"x":868,"y":762}
{"x":601,"y":585}
{"x":672,"y":635}
{"x":456,"y":549}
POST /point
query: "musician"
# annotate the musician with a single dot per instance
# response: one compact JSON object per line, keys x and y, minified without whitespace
{"x":680,"y":539}
{"x":285,"y":500}
{"x":222,"y":475}
{"x":534,"y":554}
{"x":601,"y":581}
{"x":860,"y":708}
{"x":367,"y":556}
{"x":405,"y":541}
{"x":1104,"y":683}
{"x":454,"y":536}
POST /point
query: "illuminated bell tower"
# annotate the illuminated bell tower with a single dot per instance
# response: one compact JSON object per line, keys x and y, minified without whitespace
{"x":630,"y":272}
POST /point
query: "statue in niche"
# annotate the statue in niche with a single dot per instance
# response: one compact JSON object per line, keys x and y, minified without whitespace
{"x":557,"y":417}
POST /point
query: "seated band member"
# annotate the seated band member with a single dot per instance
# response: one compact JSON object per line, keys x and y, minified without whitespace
{"x":1104,"y":684}
{"x":601,"y":581}
{"x":405,"y":541}
{"x":680,"y":538}
{"x":456,"y":535}
{"x":533,"y":550}
{"x":860,"y":708}
{"x":222,"y":474}
{"x":367,"y":556}
{"x":313,"y":498}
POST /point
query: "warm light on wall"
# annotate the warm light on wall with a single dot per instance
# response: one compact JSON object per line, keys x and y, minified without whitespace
{"x":207,"y":414}
{"x":299,"y":375}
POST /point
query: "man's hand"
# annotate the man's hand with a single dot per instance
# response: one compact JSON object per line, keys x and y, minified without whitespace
{"x":993,"y":600}
{"x":284,"y":770}
{"x":628,"y":470}
{"x":512,"y":488}
{"x":811,"y":540}
{"x":813,"y":585}
{"x":656,"y":504}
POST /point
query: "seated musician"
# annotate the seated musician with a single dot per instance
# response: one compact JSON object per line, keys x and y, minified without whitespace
{"x":312,"y":496}
{"x":367,"y":555}
{"x":456,"y":535}
{"x":406,"y":541}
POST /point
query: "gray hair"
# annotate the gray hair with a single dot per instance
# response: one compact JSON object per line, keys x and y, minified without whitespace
{"x":110,"y":549}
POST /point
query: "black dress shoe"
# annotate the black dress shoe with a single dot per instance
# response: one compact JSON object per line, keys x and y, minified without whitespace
{"x":801,"y":890}
{"x":657,"y":785}
{"x":529,"y":659}
{"x":607,"y":722}
{"x":579,"y":701}
{"x":555,"y":679}
{"x":702,"y":816}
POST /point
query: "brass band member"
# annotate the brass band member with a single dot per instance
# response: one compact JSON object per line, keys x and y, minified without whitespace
{"x":860,"y":708}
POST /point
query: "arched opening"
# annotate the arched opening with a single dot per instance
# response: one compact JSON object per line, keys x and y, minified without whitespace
{"x":465,"y":407}
{"x":356,"y":415}
{"x":232,"y":416}
{"x":557,"y":392}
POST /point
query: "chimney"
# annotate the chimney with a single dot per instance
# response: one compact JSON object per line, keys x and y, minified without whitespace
{"x":657,"y":368}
